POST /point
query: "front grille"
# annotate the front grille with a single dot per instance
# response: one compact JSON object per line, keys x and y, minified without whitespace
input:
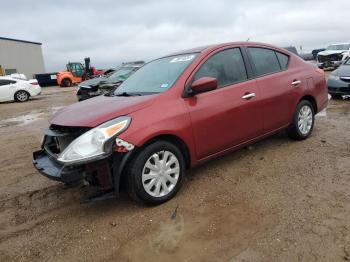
{"x":339,"y":89}
{"x":345,"y":79}
{"x":57,"y":138}
{"x":329,"y":58}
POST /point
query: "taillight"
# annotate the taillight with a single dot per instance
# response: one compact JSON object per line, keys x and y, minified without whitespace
{"x":34,"y":83}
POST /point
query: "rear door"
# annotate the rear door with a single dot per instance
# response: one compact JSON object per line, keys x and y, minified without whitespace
{"x":277,"y":84}
{"x":229,"y":115}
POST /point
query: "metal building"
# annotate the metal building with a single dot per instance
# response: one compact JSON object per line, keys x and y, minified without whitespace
{"x":20,"y":56}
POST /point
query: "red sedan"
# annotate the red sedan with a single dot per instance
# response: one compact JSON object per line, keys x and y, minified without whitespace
{"x":179,"y":111}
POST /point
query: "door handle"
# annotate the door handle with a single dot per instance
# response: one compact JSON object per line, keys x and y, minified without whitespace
{"x":249,"y":96}
{"x":296,"y":82}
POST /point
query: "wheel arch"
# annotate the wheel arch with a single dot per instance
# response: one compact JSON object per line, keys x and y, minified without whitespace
{"x":121,"y":175}
{"x":176,"y":140}
{"x":312,"y":100}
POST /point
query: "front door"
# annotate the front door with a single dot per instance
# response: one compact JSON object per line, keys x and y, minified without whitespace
{"x":229,"y":115}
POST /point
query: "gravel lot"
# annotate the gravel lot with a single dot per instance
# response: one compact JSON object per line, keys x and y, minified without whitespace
{"x":278,"y":200}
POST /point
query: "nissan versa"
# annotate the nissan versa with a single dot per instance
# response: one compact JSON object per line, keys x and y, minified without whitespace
{"x":179,"y":111}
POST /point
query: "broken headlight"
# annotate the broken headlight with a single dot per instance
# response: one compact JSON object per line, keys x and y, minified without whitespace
{"x":95,"y":142}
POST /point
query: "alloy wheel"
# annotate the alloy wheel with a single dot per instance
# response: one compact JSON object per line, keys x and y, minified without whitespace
{"x":22,"y":96}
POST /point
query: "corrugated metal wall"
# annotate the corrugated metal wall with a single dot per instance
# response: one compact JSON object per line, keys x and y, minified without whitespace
{"x":26,"y":58}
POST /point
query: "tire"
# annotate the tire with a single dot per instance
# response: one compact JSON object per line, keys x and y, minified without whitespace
{"x":66,"y":82}
{"x":303,"y":121}
{"x":337,"y":97}
{"x":139,"y":176}
{"x":22,"y":96}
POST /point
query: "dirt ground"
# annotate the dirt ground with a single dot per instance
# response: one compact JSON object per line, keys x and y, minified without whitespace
{"x":278,"y":200}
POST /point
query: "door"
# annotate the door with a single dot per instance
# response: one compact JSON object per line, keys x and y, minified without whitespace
{"x":77,"y":71}
{"x":7,"y":89}
{"x":229,"y":115}
{"x":278,"y":86}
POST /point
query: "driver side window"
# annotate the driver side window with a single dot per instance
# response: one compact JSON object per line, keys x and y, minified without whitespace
{"x":226,"y":66}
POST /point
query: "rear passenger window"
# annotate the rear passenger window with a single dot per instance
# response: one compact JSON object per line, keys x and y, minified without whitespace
{"x":283,"y":59}
{"x":264,"y":60}
{"x":226,"y":66}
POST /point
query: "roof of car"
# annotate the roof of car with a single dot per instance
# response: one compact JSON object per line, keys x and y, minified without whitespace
{"x":6,"y":78}
{"x":210,"y":48}
{"x":12,"y":78}
{"x":342,"y":43}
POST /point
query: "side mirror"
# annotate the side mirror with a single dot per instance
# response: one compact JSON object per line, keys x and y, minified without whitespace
{"x":203,"y":84}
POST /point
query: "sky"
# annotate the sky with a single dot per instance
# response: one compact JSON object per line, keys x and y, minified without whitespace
{"x":114,"y":31}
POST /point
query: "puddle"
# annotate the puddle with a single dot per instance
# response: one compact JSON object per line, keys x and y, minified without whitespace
{"x":28,"y":118}
{"x":22,"y":120}
{"x":56,"y":108}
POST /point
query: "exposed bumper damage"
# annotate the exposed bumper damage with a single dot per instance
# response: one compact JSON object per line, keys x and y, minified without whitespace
{"x":333,"y":60}
{"x":103,"y":172}
{"x":86,"y":92}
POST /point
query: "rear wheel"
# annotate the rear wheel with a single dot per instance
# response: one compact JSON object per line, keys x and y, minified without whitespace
{"x":22,"y":96}
{"x":303,"y":121}
{"x":66,"y":82}
{"x":156,"y":174}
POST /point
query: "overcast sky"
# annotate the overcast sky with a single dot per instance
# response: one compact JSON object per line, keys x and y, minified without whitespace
{"x":114,"y":31}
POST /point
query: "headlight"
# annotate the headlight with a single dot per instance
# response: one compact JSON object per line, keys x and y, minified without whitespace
{"x":334,"y":77}
{"x":95,"y":142}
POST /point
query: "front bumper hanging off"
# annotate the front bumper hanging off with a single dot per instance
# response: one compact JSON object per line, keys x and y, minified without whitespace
{"x":104,"y":172}
{"x":51,"y":168}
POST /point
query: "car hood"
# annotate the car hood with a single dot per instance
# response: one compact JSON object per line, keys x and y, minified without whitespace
{"x":95,"y":111}
{"x":331,"y":52}
{"x":343,"y":70}
{"x":92,"y":82}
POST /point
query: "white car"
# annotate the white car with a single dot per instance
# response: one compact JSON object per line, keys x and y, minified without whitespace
{"x":17,"y":89}
{"x":333,"y":56}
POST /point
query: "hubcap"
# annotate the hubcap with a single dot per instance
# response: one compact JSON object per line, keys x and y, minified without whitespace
{"x":305,"y":119}
{"x":22,"y":96}
{"x":160,"y":173}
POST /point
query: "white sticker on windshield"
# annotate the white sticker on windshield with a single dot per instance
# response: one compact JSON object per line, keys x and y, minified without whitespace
{"x":164,"y":85}
{"x":182,"y":58}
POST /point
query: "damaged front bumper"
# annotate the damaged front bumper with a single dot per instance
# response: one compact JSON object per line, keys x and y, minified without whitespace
{"x":51,"y":168}
{"x":103,"y":172}
{"x":327,"y":64}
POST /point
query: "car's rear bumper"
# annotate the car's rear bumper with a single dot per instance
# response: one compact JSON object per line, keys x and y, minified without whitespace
{"x":35,"y":91}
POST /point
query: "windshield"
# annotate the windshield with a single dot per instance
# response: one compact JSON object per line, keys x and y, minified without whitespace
{"x":156,"y":76}
{"x":121,"y":74}
{"x":339,"y":47}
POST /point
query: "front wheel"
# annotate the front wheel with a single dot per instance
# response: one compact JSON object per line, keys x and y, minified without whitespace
{"x":156,"y":174}
{"x":66,"y":82}
{"x":303,"y":121}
